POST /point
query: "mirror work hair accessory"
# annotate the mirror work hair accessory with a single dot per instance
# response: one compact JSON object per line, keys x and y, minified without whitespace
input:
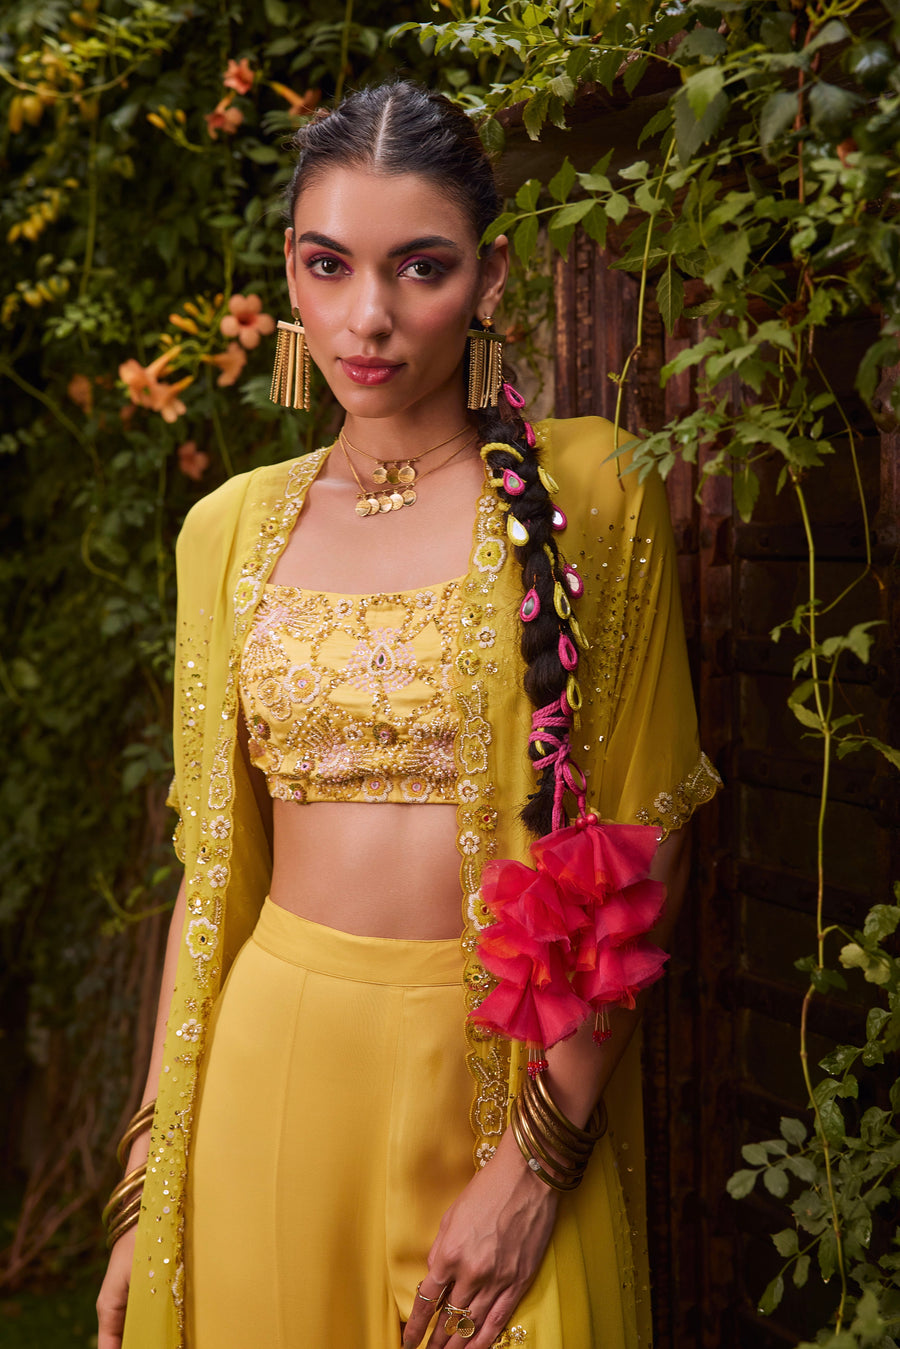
{"x":290,"y":378}
{"x":485,"y":365}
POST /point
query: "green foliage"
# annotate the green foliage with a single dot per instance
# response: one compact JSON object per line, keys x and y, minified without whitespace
{"x":767,"y":206}
{"x":859,"y":1164}
{"x":141,"y":194}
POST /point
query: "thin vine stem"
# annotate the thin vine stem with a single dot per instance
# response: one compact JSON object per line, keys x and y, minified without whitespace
{"x":824,"y":711}
{"x":217,"y":426}
{"x":344,"y":52}
{"x":642,"y":296}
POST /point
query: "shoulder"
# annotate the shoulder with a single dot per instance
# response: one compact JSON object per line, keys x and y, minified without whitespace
{"x":213,"y":521}
{"x":579,"y":452}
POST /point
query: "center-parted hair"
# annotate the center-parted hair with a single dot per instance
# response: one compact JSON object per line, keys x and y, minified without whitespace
{"x":402,"y":128}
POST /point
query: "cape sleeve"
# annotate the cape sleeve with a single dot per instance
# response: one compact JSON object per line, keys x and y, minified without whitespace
{"x":638,"y":738}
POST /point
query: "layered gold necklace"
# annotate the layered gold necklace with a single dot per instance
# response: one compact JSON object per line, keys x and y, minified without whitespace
{"x":395,"y":479}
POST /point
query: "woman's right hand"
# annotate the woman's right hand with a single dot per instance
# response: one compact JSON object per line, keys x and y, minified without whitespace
{"x":113,"y":1297}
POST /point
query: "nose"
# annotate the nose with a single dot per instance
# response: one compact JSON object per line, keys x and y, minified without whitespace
{"x":370,"y":313}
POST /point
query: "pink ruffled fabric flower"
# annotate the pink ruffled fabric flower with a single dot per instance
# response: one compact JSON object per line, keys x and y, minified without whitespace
{"x":569,"y":935}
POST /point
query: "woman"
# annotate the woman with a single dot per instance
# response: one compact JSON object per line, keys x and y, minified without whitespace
{"x":310,"y":1176}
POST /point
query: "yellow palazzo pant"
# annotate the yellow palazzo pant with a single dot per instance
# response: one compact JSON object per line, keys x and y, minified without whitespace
{"x":331,"y":1136}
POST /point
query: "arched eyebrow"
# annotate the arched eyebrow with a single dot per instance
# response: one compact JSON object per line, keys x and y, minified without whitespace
{"x":412,"y":246}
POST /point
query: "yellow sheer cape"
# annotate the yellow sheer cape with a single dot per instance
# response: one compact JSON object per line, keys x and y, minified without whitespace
{"x":636,"y":742}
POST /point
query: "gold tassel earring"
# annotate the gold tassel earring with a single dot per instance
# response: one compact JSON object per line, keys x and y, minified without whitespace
{"x":485,"y":365}
{"x":290,"y":378}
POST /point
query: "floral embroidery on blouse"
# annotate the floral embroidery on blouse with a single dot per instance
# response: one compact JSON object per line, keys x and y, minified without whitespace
{"x":347,"y":697}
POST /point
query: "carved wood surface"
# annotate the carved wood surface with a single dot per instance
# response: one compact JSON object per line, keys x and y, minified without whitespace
{"x":721,"y":1035}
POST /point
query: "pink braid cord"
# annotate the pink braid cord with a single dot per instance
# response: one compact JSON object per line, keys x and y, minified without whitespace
{"x":513,"y":397}
{"x":545,"y":723}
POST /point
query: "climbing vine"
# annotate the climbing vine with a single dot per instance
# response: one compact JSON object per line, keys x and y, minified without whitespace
{"x":767,"y":206}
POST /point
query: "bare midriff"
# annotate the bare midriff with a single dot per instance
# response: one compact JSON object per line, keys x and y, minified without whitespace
{"x":384,"y":869}
{"x":376,"y":869}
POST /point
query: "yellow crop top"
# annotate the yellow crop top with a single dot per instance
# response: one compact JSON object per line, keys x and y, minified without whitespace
{"x":347,"y":697}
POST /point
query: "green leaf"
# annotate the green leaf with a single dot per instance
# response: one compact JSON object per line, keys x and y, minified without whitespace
{"x":691,"y":132}
{"x":571,"y":213}
{"x":827,"y":1253}
{"x":776,"y":1181}
{"x":793,"y":1130}
{"x":832,"y":1121}
{"x":801,"y":1271}
{"x":670,"y":298}
{"x":840,"y":1059}
{"x":493,"y":137}
{"x":831,"y":108}
{"x":500,"y":226}
{"x":563,"y":86}
{"x":778,"y":113}
{"x":741,"y":1183}
{"x":528,"y":193}
{"x":535,"y":113}
{"x":595,"y":224}
{"x":892,"y":755}
{"x":701,"y":42}
{"x":772,"y":1296}
{"x":702,"y":87}
{"x":616,"y":207}
{"x":277,"y":13}
{"x":881,"y":921}
{"x":647,"y":200}
{"x":876,"y":966}
{"x":833,"y":31}
{"x":563,"y":180}
{"x":745,"y":485}
{"x":755,"y":1154}
{"x":635,"y":172}
{"x":525,"y":238}
{"x":786,"y":1242}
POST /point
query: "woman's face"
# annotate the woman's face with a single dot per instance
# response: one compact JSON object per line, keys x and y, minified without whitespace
{"x":385,"y":274}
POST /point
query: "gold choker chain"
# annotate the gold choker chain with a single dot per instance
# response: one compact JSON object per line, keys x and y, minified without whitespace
{"x":402,"y":493}
{"x":399,"y":473}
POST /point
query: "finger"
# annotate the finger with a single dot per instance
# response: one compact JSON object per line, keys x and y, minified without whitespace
{"x":425,"y":1303}
{"x":448,"y":1319}
{"x":491,"y":1318}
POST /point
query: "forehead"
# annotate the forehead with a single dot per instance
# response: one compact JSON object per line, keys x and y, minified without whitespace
{"x":362,"y":208}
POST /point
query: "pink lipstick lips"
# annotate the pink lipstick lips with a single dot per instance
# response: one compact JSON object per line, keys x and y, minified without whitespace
{"x":369,"y":369}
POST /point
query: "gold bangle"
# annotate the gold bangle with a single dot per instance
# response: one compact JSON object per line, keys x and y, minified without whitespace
{"x":572,"y":1148}
{"x":137,"y":1124}
{"x":532,"y":1136}
{"x":126,"y":1222}
{"x":133,"y":1182}
{"x":125,"y":1218}
{"x":586,"y":1135}
{"x":567,"y":1180}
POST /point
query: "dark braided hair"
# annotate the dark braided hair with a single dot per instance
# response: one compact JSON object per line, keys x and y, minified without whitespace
{"x":400,"y":128}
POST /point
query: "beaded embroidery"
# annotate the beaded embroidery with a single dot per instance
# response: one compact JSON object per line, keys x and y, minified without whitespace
{"x":347,"y":697}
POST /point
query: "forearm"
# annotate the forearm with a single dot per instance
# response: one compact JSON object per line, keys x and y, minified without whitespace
{"x":579,"y":1069}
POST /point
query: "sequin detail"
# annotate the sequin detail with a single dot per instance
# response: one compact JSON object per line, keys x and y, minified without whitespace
{"x":347,"y":697}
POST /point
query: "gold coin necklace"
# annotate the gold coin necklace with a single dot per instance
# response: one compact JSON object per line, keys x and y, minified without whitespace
{"x":379,"y":503}
{"x":398,"y":473}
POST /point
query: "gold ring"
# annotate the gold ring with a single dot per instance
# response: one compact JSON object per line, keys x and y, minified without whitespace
{"x":458,"y":1316}
{"x":420,"y":1294}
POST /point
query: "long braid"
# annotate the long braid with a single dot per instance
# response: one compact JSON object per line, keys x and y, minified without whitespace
{"x":546,"y":678}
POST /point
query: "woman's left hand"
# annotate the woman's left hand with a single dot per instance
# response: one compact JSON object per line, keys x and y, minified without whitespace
{"x":488,"y":1248}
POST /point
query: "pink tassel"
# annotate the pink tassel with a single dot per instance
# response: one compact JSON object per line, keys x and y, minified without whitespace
{"x":513,"y":397}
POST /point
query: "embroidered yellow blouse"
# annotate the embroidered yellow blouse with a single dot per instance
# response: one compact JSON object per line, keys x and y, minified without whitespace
{"x":636,"y":742}
{"x":348,"y":697}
